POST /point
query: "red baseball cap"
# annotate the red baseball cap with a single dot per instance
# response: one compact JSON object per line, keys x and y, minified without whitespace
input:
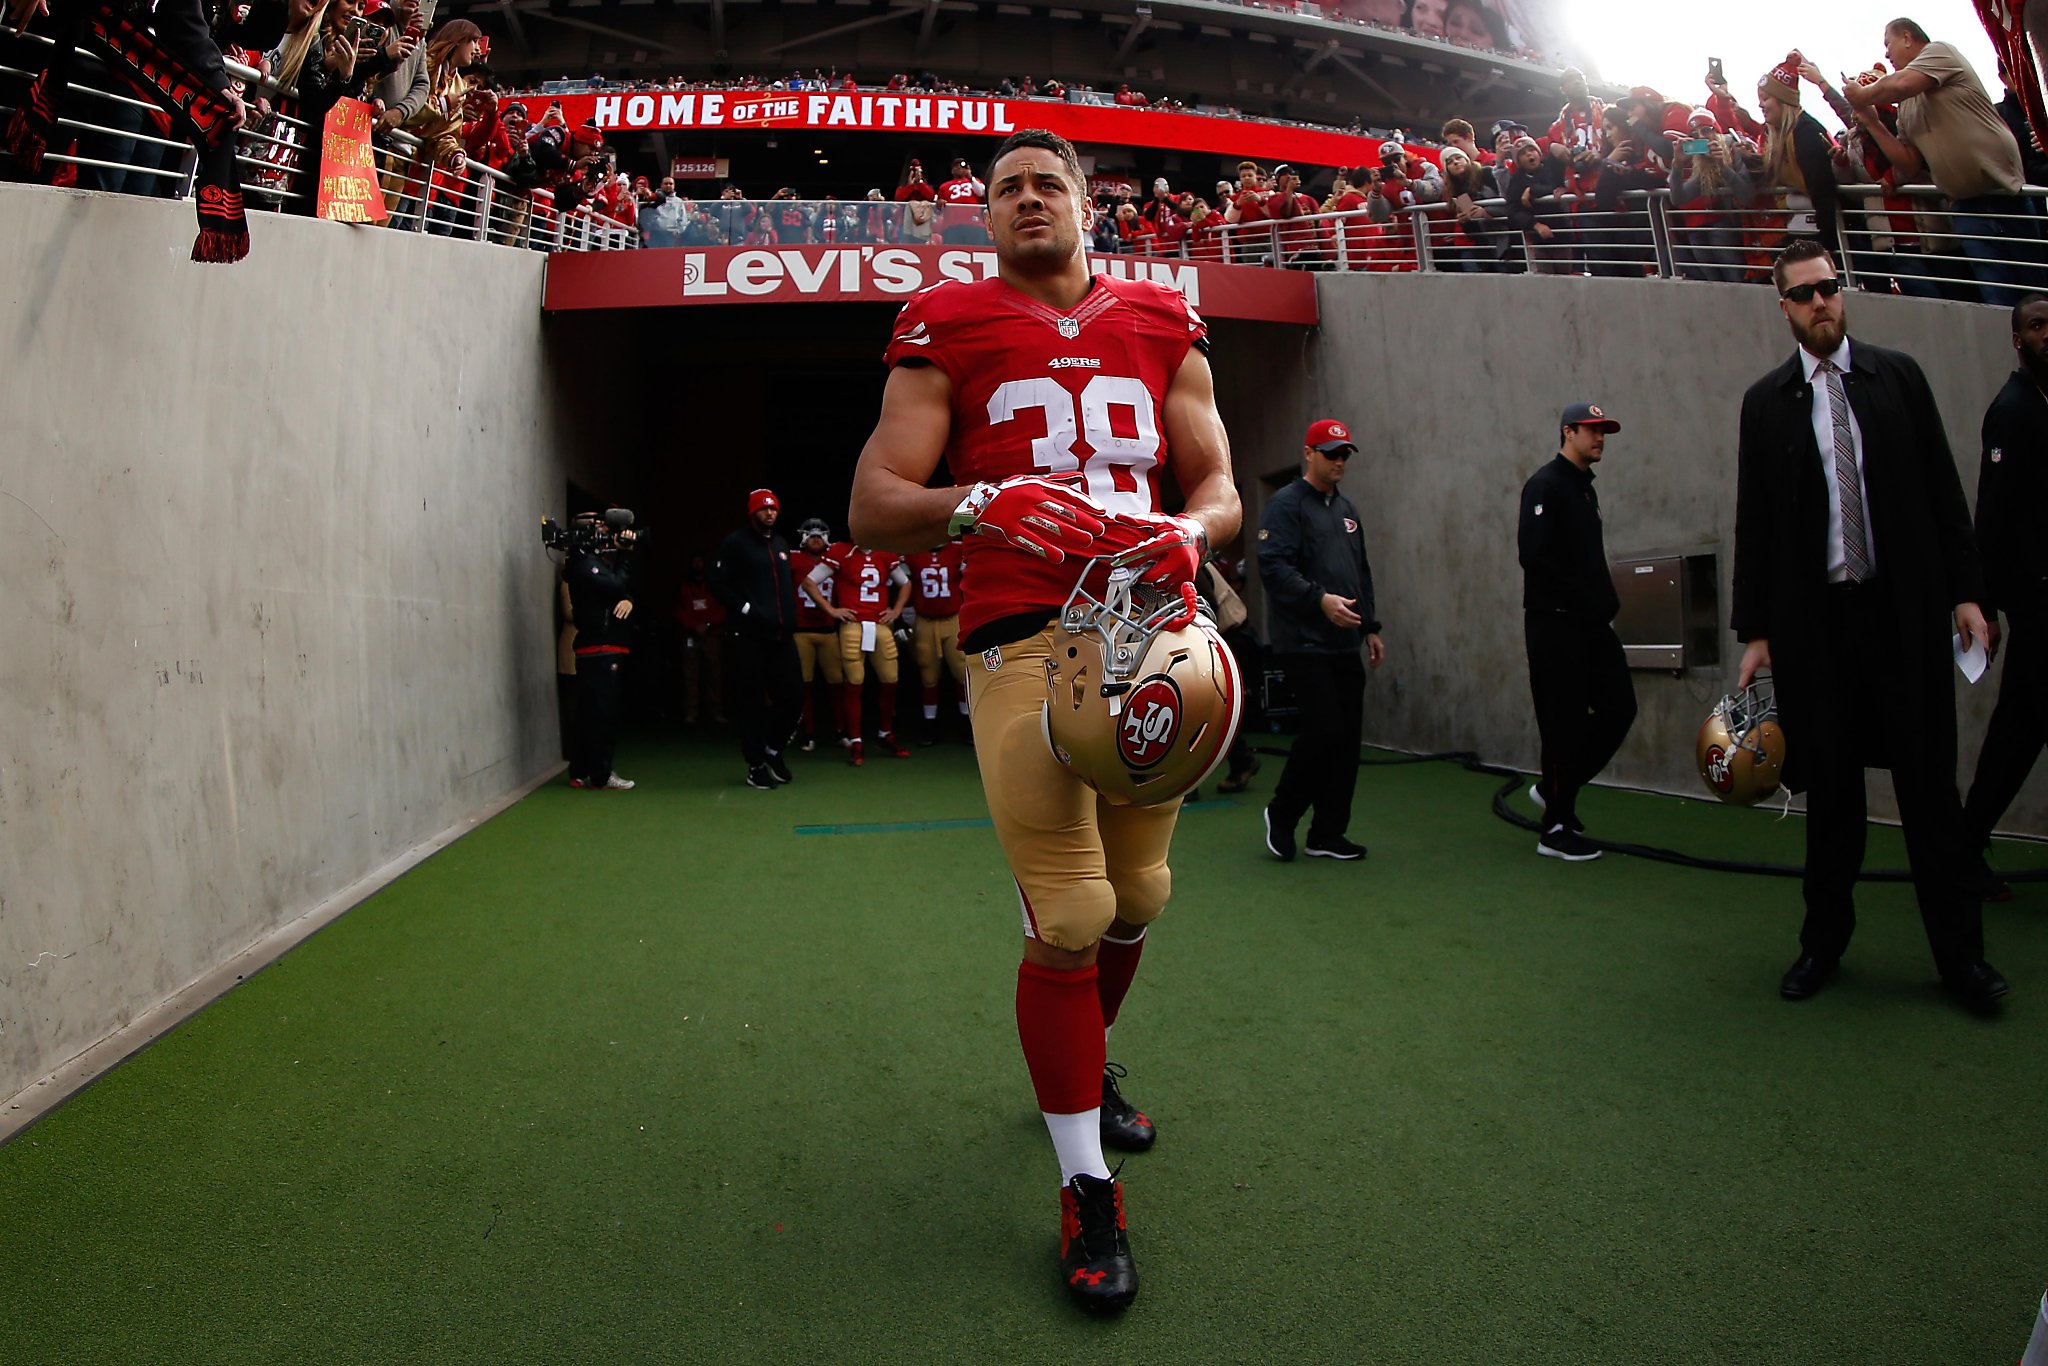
{"x":1329,"y":435}
{"x":762,"y":498}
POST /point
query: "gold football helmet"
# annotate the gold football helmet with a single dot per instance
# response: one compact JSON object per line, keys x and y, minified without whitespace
{"x":1143,"y":697}
{"x":1741,"y":748}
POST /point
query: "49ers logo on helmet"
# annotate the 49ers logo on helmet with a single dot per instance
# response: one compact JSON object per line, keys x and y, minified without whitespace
{"x":1718,"y":773}
{"x":1150,"y":722}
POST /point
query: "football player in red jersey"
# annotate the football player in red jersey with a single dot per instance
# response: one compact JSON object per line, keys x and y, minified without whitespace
{"x":1058,"y":398}
{"x":935,"y":594}
{"x":868,"y":590}
{"x":817,"y":634}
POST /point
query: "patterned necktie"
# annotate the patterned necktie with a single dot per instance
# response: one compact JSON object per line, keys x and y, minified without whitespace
{"x":1848,"y":479}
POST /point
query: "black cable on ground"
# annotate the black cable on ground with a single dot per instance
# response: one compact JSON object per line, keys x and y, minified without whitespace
{"x":1513,"y":781}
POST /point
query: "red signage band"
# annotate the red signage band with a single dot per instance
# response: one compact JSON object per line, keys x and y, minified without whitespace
{"x":957,"y":115}
{"x":690,"y":277}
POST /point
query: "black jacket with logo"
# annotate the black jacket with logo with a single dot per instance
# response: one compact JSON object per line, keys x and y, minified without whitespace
{"x":1311,"y":544}
{"x":2012,"y":492}
{"x":596,"y":586}
{"x":1564,"y":557}
{"x":753,"y":581}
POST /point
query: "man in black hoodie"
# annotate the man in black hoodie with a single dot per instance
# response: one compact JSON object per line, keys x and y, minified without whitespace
{"x":599,"y":605}
{"x":1578,"y":672}
{"x":2012,"y":490}
{"x":753,"y":581}
{"x":1319,"y":583}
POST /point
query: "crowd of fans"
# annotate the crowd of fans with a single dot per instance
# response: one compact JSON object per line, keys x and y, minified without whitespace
{"x":435,"y":107}
{"x":1741,"y":184}
{"x":1924,"y":189}
{"x":1570,"y":197}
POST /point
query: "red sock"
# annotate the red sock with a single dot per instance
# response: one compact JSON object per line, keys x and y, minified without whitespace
{"x":849,"y":709}
{"x":1059,"y":1022}
{"x":810,"y":709}
{"x":931,"y":699}
{"x":1116,"y":963}
{"x":885,"y":694}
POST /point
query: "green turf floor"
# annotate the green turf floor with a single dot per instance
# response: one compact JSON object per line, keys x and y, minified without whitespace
{"x":664,"y":1076}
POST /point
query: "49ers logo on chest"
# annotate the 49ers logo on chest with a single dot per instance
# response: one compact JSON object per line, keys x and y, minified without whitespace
{"x":1150,"y":722}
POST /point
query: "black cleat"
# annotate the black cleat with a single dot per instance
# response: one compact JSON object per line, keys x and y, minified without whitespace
{"x":1124,"y":1126}
{"x":1336,"y":847}
{"x":1095,"y":1254}
{"x":778,"y":768}
{"x":759,"y":777}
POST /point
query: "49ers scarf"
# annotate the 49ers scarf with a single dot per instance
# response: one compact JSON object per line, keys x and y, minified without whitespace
{"x":201,"y":115}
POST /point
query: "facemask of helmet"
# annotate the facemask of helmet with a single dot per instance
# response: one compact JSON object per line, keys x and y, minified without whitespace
{"x":1741,"y":748}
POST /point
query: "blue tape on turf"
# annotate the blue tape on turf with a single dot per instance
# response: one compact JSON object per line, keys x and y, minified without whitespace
{"x":959,"y":823}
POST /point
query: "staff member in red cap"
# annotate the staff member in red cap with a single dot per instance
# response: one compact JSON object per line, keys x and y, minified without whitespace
{"x":1312,"y":562}
{"x":753,"y":581}
{"x":1578,"y":674}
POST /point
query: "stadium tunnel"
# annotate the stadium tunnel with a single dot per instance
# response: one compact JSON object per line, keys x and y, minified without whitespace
{"x":702,"y":405}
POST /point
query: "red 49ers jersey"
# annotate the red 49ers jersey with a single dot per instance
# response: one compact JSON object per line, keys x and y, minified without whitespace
{"x":1037,"y":391}
{"x":935,"y":581}
{"x":860,"y":579}
{"x":809,"y":618}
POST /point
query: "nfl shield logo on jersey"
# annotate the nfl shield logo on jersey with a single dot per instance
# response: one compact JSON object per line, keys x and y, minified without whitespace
{"x":1069,"y":328}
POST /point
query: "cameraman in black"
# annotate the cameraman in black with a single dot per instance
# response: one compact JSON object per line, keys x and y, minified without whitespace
{"x":597,"y":579}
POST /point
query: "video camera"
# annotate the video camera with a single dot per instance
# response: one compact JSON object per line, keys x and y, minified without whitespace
{"x":591,"y":532}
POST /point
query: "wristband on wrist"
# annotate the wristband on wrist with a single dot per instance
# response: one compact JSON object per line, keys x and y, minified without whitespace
{"x":971,"y":507}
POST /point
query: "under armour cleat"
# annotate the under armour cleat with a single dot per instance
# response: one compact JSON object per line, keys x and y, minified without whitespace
{"x":854,"y":755}
{"x":1095,"y":1254}
{"x":891,"y":746}
{"x":1124,"y":1126}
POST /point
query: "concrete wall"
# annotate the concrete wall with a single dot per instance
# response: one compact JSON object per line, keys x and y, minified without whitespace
{"x":275,"y":610}
{"x":1454,"y":384}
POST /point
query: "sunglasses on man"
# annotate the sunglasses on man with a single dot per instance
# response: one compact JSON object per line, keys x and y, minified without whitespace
{"x":1803,"y":294}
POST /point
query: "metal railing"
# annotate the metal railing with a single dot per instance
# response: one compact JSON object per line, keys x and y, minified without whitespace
{"x":279,"y":159}
{"x":1908,"y":241}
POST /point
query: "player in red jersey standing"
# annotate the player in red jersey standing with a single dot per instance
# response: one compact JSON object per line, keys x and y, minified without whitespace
{"x":817,"y":634}
{"x":868,"y":590}
{"x":935,"y":595}
{"x":1059,"y":398}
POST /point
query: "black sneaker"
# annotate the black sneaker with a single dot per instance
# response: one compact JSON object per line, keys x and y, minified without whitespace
{"x":1536,"y":796}
{"x":1279,"y":839}
{"x":1124,"y":1126}
{"x":1337,"y":847}
{"x":778,"y":767}
{"x":1568,"y":845}
{"x":760,"y":777}
{"x":1095,"y":1254}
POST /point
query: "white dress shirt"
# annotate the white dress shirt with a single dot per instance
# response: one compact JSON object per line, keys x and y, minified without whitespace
{"x":1824,"y":436}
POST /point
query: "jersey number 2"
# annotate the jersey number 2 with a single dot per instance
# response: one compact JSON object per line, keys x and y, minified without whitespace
{"x":1087,"y":416}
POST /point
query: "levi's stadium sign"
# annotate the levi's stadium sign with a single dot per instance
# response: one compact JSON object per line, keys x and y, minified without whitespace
{"x":957,"y":115}
{"x":675,"y":277}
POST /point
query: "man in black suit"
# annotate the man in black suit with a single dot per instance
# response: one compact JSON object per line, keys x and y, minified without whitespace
{"x":1852,"y":550}
{"x":2012,"y":490}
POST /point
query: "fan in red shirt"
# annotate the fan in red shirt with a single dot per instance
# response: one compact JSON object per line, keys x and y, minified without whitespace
{"x":935,"y":596}
{"x":868,"y":589}
{"x":960,"y":207}
{"x":1302,"y":244}
{"x":1059,"y":398}
{"x":1247,"y":209}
